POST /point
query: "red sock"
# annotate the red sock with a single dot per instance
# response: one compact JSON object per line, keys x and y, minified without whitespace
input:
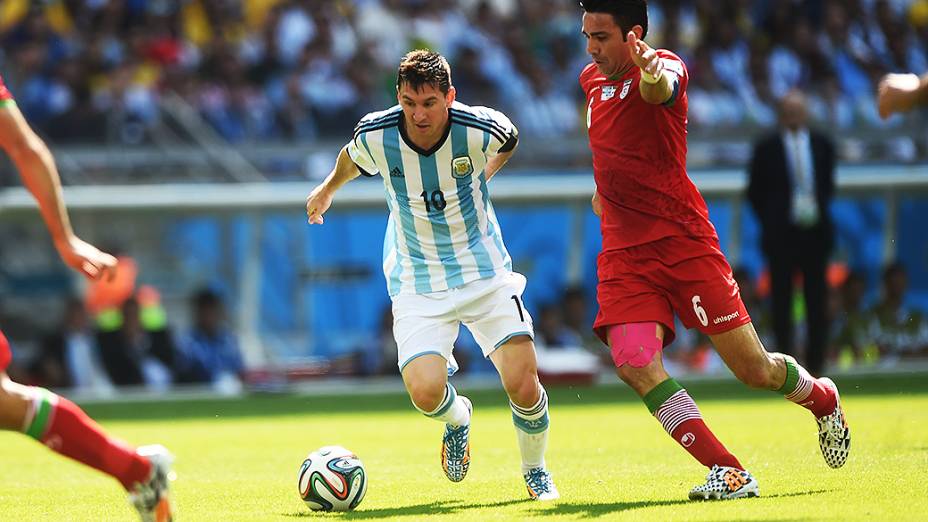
{"x":807,"y":391}
{"x":66,"y":429}
{"x":696,"y":438}
{"x":682,"y":420}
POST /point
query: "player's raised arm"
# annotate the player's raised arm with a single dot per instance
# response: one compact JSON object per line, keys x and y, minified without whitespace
{"x":36,"y":167}
{"x":655,"y":86}
{"x":320,"y":199}
{"x":901,"y":93}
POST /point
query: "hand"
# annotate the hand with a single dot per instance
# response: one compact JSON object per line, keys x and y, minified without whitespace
{"x":897,"y":93}
{"x":597,"y":206}
{"x":87,"y":259}
{"x":317,"y":204}
{"x":643,"y":55}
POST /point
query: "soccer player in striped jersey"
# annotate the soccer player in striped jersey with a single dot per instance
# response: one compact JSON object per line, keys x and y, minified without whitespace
{"x":661,"y":254}
{"x":444,"y":258}
{"x":50,"y":419}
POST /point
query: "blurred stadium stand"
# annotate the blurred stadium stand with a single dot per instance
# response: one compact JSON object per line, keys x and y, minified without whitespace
{"x":158,"y":83}
{"x":301,"y":294}
{"x":189,"y":133}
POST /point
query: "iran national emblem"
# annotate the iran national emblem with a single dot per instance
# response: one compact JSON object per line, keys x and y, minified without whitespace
{"x":608,"y":92}
{"x":462,"y":167}
{"x":625,"y":88}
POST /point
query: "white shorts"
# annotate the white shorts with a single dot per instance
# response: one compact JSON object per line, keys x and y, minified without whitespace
{"x":490,"y":308}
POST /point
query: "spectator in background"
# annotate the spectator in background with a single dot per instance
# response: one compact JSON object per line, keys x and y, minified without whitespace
{"x":210,"y":349}
{"x":900,"y":331}
{"x":756,"y":306}
{"x":137,"y":354}
{"x":577,"y":319}
{"x":70,"y":356}
{"x":790,"y":189}
{"x":378,"y":356}
{"x":853,"y":339}
{"x":552,"y":333}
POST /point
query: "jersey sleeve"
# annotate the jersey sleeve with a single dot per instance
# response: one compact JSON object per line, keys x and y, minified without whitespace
{"x":588,"y":72}
{"x":680,"y":77}
{"x":360,"y":154}
{"x":503,"y":134}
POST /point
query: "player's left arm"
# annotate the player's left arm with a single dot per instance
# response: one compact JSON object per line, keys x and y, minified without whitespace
{"x":496,"y":162}
{"x":36,"y":167}
{"x":657,"y":85}
{"x":503,"y":143}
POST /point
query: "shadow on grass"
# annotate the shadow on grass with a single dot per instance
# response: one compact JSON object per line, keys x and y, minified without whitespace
{"x":798,"y":493}
{"x":442,"y":507}
{"x":584,"y":510}
{"x":587,"y":510}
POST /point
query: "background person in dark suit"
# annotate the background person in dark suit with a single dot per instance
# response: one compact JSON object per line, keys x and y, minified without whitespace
{"x":791,"y":186}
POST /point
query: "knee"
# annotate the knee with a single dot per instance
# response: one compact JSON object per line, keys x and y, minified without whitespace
{"x":523,"y":390}
{"x":630,"y":375}
{"x":426,"y":394}
{"x":641,"y":380}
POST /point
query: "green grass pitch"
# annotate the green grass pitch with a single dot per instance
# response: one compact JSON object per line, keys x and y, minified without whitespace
{"x":237,"y":459}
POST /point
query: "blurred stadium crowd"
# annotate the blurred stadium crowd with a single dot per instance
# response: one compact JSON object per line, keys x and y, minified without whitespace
{"x":95,"y":70}
{"x":125,"y":339}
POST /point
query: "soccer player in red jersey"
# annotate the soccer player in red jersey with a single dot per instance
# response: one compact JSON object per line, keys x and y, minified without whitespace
{"x":661,"y":254}
{"x":50,"y":419}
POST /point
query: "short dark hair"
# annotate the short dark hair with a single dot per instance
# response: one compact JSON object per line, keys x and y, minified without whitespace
{"x":626,"y":13}
{"x":424,"y":67}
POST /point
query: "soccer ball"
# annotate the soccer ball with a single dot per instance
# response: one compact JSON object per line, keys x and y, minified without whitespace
{"x":332,"y":479}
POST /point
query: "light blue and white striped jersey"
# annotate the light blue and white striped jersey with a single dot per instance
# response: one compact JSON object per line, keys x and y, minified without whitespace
{"x":442,"y":231}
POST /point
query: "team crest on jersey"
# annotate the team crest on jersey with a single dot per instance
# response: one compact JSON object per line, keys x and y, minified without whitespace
{"x":625,"y":88}
{"x":462,"y":167}
{"x":607,"y":93}
{"x":396,"y":173}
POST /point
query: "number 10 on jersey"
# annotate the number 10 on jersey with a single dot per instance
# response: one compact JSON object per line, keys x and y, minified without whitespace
{"x":435,"y":200}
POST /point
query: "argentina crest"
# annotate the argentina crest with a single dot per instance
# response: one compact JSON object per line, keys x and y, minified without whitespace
{"x":462,"y":166}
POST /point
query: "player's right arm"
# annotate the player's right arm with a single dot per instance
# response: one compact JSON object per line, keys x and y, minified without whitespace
{"x":901,"y":93}
{"x":656,"y":86}
{"x":36,"y":167}
{"x":320,"y":199}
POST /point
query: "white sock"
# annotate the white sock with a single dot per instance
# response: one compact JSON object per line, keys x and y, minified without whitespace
{"x":532,"y":431}
{"x":451,"y":410}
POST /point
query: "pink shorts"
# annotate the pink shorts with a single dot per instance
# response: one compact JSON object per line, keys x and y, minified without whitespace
{"x":5,"y":354}
{"x":682,"y":275}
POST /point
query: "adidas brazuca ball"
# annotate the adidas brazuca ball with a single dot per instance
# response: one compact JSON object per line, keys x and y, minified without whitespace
{"x":332,"y":479}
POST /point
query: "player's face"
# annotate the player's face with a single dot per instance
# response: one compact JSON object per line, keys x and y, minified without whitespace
{"x":605,"y":43}
{"x":425,"y":110}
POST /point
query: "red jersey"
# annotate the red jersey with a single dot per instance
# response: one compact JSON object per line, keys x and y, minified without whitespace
{"x":4,"y":92}
{"x":639,"y":159}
